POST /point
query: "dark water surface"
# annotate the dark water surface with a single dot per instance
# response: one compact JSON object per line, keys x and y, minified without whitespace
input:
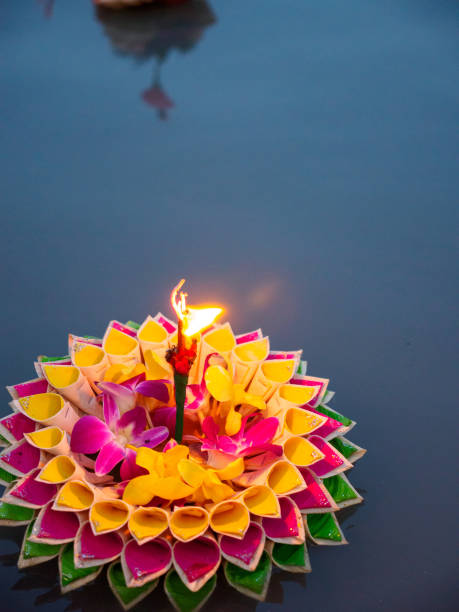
{"x":296,"y":161}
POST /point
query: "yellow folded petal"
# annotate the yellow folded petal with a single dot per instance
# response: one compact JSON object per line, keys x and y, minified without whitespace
{"x":148,"y":523}
{"x":118,"y":373}
{"x":108,"y":515}
{"x":188,"y":522}
{"x":140,"y":490}
{"x":118,"y":343}
{"x":230,"y":518}
{"x":58,"y":469}
{"x":48,"y":437}
{"x":75,"y":494}
{"x":261,"y":500}
{"x":156,"y":367}
{"x":61,"y":376}
{"x":284,"y":478}
{"x":232,"y":470}
{"x":298,"y":394}
{"x":301,"y":422}
{"x":192,"y":473}
{"x":114,"y":373}
{"x":279,"y":370}
{"x":301,"y":452}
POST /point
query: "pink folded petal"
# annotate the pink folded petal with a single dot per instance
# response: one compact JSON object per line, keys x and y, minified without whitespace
{"x":197,"y":557}
{"x":262,"y":432}
{"x":151,"y":558}
{"x":154,"y":388}
{"x":110,"y":454}
{"x":152,"y":437}
{"x":124,"y":398}
{"x":136,"y":419}
{"x":89,"y":435}
{"x":111,"y":412}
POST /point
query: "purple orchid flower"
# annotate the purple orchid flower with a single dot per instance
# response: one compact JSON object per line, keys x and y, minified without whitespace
{"x":110,"y":439}
{"x":126,"y":392}
{"x":256,"y":440}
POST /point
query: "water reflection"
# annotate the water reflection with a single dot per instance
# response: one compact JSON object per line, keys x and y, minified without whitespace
{"x":151,"y":33}
{"x":47,"y":7}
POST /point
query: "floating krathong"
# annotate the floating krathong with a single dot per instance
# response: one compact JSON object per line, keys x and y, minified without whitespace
{"x":167,"y":449}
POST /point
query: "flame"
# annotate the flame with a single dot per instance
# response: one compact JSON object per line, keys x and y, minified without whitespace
{"x":194,"y":319}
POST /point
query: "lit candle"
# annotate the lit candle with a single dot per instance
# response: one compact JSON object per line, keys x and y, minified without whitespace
{"x":191,"y":321}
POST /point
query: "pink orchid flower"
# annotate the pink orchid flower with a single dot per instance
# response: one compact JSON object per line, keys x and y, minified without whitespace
{"x":110,"y":438}
{"x":255,"y":441}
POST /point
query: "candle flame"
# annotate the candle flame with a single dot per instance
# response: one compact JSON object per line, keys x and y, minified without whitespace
{"x":194,"y":319}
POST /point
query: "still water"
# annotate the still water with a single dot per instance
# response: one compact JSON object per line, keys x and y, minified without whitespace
{"x":293,"y":160}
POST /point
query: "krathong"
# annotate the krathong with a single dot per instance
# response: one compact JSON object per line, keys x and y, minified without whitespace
{"x":167,"y":449}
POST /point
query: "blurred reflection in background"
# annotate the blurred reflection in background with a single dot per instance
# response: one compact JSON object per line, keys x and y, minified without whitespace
{"x":47,"y":7}
{"x":147,"y":32}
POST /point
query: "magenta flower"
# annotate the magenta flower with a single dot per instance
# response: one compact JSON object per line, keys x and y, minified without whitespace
{"x":110,"y":439}
{"x":256,"y":440}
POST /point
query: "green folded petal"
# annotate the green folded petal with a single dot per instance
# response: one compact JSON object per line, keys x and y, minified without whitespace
{"x":334,"y":415}
{"x":4,"y":441}
{"x":128,"y":596}
{"x":33,"y":550}
{"x":182,"y":598}
{"x":9,"y":512}
{"x":289,"y":555}
{"x":324,"y":527}
{"x":254,"y":584}
{"x":71,"y":574}
{"x":302,"y":367}
{"x":46,"y":359}
{"x":343,"y":446}
{"x":339,"y":489}
{"x":132,"y":324}
{"x":6,"y":476}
